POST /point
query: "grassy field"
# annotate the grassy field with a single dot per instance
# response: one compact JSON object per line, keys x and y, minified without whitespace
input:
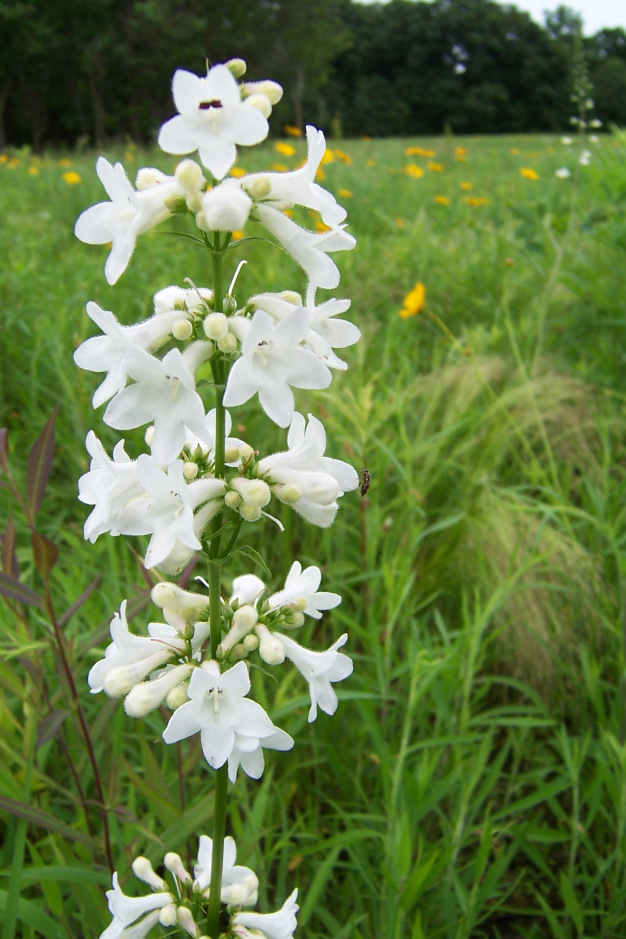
{"x":473,"y":781}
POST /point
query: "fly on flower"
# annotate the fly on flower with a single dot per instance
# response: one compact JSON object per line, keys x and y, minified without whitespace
{"x":365,"y":478}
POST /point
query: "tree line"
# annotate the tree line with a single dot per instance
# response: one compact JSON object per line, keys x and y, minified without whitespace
{"x":85,"y":71}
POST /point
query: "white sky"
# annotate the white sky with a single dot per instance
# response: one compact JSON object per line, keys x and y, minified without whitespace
{"x":596,"y":14}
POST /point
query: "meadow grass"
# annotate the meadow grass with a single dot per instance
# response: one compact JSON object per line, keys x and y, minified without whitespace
{"x":473,"y":781}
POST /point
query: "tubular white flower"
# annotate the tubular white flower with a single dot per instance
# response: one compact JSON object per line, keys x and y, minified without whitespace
{"x":163,"y":392}
{"x":127,"y":652}
{"x":148,"y":695}
{"x":112,"y":351}
{"x":126,"y":910}
{"x":109,"y":486}
{"x":279,"y":925}
{"x":319,"y":479}
{"x":320,"y":669}
{"x":127,"y":215}
{"x":247,"y":752}
{"x":309,"y":249}
{"x":298,"y":187}
{"x":212,"y":119}
{"x":190,"y":299}
{"x":272,"y":361}
{"x":218,"y":710}
{"x":302,"y":586}
{"x":248,"y":588}
{"x":167,"y":511}
{"x":235,"y":878}
{"x":143,"y":870}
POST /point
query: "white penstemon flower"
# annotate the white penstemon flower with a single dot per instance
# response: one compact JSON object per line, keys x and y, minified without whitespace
{"x":196,"y":485}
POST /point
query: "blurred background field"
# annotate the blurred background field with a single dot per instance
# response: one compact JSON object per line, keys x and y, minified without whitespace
{"x":473,"y":781}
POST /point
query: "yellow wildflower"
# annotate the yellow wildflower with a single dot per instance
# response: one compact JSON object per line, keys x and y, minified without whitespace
{"x":400,"y":222}
{"x":13,"y":162}
{"x":514,"y":151}
{"x":280,"y":168}
{"x":476,"y":200}
{"x":371,"y":162}
{"x":292,"y":131}
{"x":71,"y":177}
{"x":527,"y":173}
{"x":435,"y":167}
{"x":32,"y":170}
{"x":236,"y":235}
{"x":320,"y":226}
{"x":413,"y":302}
{"x":467,"y":186}
{"x":442,"y":200}
{"x":237,"y":171}
{"x":345,"y":194}
{"x":460,"y":153}
{"x":3,"y":158}
{"x":320,"y":175}
{"x":285,"y":149}
{"x":412,"y":169}
{"x":344,"y":157}
{"x":65,"y":162}
{"x":328,"y":157}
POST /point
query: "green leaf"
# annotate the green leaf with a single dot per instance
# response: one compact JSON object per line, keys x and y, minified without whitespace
{"x":29,"y":913}
{"x":9,"y":557}
{"x":38,"y":467}
{"x":10,"y":587}
{"x":571,"y":901}
{"x":49,"y":726}
{"x":45,"y":553}
{"x":66,"y":617}
{"x":42,"y":819}
{"x":250,"y":552}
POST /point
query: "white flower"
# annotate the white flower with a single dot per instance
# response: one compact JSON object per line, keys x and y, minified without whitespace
{"x":247,"y":589}
{"x":112,"y":352}
{"x":226,"y":207}
{"x":301,"y":589}
{"x":585,"y":158}
{"x":272,"y":360}
{"x":298,"y":187}
{"x":126,"y":910}
{"x":164,"y":392}
{"x":279,"y":925}
{"x":167,"y":510}
{"x":239,"y":884}
{"x":563,"y":173}
{"x":247,"y":752}
{"x":207,"y":445}
{"x":109,"y":486}
{"x":303,"y":477}
{"x":212,"y":119}
{"x":320,"y":669}
{"x":325,"y":332}
{"x":220,"y":712}
{"x":192,"y":299}
{"x":309,"y":249}
{"x":129,"y":658}
{"x":126,"y":216}
{"x":567,"y":141}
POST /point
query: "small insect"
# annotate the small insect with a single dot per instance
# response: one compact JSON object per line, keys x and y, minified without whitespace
{"x":365,"y":478}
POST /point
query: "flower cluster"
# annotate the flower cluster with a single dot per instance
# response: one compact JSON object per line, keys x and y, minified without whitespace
{"x":194,"y":487}
{"x":182,"y":902}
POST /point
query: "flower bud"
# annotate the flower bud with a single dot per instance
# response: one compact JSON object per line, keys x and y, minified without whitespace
{"x":149,"y":435}
{"x":253,"y":491}
{"x":238,"y":653}
{"x":182,"y":329}
{"x":194,"y":202}
{"x":143,"y":870}
{"x":232,"y":499}
{"x":227,"y":343}
{"x":167,"y":915}
{"x":173,"y":597}
{"x":231,"y":455}
{"x":122,"y":679}
{"x":261,"y":102}
{"x":251,"y":642}
{"x":229,"y":305}
{"x":249,"y":513}
{"x":271,"y":648}
{"x":174,"y":864}
{"x":189,"y":175}
{"x":148,"y":695}
{"x":236,"y":67}
{"x":288,"y":494}
{"x":226,"y":207}
{"x":190,"y":471}
{"x":215,"y":325}
{"x":148,"y":177}
{"x":177,"y":696}
{"x":270,"y":89}
{"x":258,"y":188}
{"x":186,"y":920}
{"x":246,"y":452}
{"x":294,"y":619}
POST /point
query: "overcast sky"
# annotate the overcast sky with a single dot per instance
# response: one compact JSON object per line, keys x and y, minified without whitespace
{"x":596,"y":14}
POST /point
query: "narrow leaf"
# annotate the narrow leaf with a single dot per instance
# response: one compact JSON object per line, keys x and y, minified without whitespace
{"x":49,"y":726}
{"x":4,"y":446}
{"x":39,"y":465}
{"x":42,"y":819}
{"x":254,"y":555}
{"x":76,"y":605}
{"x":10,"y":587}
{"x":9,"y":557}
{"x":45,"y":553}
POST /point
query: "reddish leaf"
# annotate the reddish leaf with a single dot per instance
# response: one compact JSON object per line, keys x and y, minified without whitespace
{"x":4,"y":446}
{"x":50,"y":726}
{"x":76,"y":605}
{"x":45,"y":553}
{"x":38,"y":467}
{"x":9,"y":557}
{"x":10,"y":587}
{"x":41,"y":819}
